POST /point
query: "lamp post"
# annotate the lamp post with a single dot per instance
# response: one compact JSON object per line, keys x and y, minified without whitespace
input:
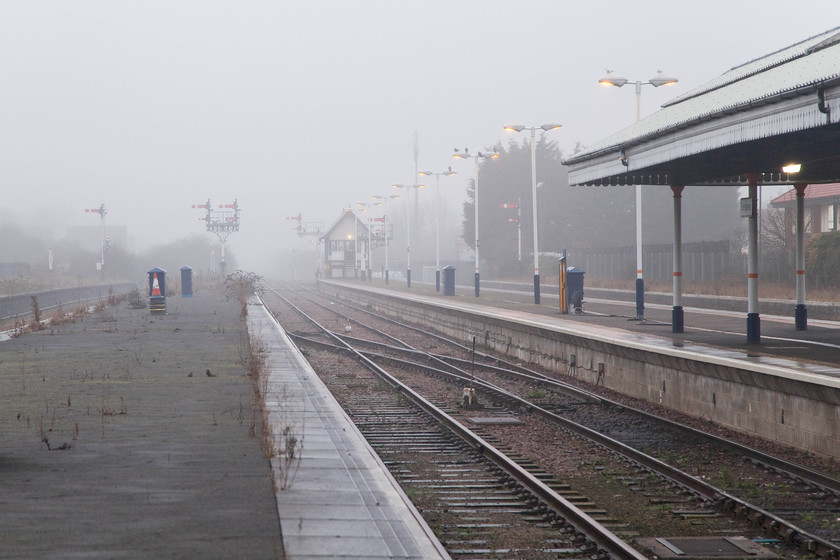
{"x":437,"y":212}
{"x":533,"y":129}
{"x":368,"y":206}
{"x":618,"y":81}
{"x":385,"y":226}
{"x":466,"y":155}
{"x":408,"y":231}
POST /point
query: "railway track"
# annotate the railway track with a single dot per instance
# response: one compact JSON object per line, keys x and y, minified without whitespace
{"x":707,"y":502}
{"x":481,"y":502}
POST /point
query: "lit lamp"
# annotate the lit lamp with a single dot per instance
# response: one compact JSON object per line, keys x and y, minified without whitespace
{"x":466,"y":155}
{"x":438,"y":211}
{"x":659,"y":80}
{"x":408,"y":231}
{"x":533,"y":129}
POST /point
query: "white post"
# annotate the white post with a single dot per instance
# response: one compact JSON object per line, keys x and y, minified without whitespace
{"x":677,"y":314}
{"x":477,"y":243}
{"x":534,"y":215}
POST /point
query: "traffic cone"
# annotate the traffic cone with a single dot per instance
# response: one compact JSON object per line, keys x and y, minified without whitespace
{"x":155,"y":286}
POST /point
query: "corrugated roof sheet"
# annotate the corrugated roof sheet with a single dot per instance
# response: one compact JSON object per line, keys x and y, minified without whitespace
{"x":793,"y":70}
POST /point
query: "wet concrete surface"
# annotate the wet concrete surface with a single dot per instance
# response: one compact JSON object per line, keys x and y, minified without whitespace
{"x":127,"y":435}
{"x":815,"y":349}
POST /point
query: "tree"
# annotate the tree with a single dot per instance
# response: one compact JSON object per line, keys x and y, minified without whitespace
{"x":580,"y":218}
{"x":823,"y":256}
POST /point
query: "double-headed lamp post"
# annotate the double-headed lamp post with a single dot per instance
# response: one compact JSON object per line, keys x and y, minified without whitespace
{"x":408,"y":231}
{"x":533,"y":129}
{"x":659,"y":80}
{"x":437,"y":225}
{"x":367,"y":208}
{"x":466,"y":155}
{"x":385,"y":225}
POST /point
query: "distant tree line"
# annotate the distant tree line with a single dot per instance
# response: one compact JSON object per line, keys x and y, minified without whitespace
{"x":580,"y":219}
{"x":24,"y":263}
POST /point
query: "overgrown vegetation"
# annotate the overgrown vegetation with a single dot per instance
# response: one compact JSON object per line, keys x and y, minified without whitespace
{"x":240,"y":285}
{"x":283,"y":447}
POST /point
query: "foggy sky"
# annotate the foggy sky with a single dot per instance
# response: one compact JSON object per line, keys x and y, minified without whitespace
{"x":151,"y":107}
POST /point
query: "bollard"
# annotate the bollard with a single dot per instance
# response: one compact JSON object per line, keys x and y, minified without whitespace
{"x":157,"y":291}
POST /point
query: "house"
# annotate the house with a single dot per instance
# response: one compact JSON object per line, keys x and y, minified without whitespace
{"x":821,"y":208}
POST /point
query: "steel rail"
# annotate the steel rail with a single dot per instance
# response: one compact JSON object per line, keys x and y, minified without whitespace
{"x":807,"y":475}
{"x":615,"y":547}
{"x":783,"y":528}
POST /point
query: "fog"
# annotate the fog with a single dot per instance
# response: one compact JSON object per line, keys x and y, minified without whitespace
{"x":309,"y":107}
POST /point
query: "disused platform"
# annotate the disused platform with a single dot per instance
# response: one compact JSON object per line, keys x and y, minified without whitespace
{"x":131,"y":435}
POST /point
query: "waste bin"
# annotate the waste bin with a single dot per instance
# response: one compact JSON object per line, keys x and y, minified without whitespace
{"x":186,"y":281}
{"x":574,"y":288}
{"x":448,"y":280}
{"x":157,"y":291}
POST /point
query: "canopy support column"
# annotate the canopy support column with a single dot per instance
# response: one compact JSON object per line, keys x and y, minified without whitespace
{"x":677,"y":315}
{"x":801,"y":314}
{"x":753,"y":320}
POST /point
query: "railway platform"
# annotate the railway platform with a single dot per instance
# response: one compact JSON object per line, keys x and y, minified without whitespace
{"x":335,"y":496}
{"x":717,"y":331}
{"x":785,"y":389}
{"x":128,"y":435}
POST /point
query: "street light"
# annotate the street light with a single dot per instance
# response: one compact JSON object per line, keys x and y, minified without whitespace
{"x":385,"y":226}
{"x":408,"y":230}
{"x":368,"y":205}
{"x":438,"y":212}
{"x":466,"y":155}
{"x":659,"y":80}
{"x":533,"y":129}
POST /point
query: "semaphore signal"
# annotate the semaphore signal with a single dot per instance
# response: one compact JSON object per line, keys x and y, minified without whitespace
{"x":222,"y":222}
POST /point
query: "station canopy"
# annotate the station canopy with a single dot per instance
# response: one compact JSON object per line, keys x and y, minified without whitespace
{"x":779,"y":109}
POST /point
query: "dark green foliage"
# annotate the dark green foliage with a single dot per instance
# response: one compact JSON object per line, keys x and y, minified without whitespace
{"x":580,"y":219}
{"x":823,"y":256}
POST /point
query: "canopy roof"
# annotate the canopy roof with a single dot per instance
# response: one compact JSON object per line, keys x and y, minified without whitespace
{"x":755,"y":118}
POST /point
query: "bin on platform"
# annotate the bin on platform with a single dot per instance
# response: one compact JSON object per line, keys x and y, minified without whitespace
{"x":448,"y":280}
{"x":574,"y":288}
{"x":186,"y":281}
{"x":157,"y":291}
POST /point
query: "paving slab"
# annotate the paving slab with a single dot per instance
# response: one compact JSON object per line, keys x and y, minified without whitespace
{"x":339,"y":499}
{"x":128,"y":435}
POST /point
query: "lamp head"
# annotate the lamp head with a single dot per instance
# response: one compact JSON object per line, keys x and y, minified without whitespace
{"x":515,"y":128}
{"x":662,"y":80}
{"x":425,"y":173}
{"x":611,"y":80}
{"x":550,"y":126}
{"x":792,"y":168}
